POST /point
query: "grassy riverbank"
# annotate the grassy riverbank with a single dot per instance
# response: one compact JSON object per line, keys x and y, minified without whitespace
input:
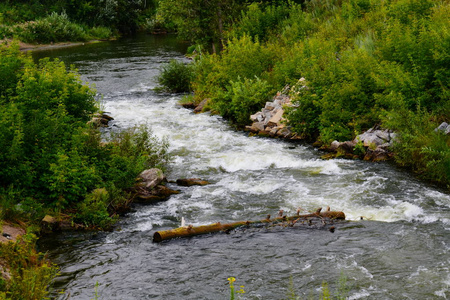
{"x":365,"y":63}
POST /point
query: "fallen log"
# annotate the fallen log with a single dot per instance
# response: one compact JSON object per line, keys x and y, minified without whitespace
{"x":187,"y":231}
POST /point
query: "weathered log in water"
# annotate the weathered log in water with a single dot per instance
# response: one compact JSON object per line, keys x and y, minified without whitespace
{"x":187,"y":231}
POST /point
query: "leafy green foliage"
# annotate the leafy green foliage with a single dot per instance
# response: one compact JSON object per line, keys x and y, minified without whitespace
{"x":199,"y":21}
{"x":258,"y":21}
{"x":93,"y":210}
{"x":176,"y":77}
{"x":243,"y":98}
{"x":52,"y":158}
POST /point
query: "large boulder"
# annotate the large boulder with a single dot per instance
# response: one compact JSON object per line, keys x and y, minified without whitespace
{"x":150,"y":178}
{"x":374,"y":137}
{"x":149,"y":189}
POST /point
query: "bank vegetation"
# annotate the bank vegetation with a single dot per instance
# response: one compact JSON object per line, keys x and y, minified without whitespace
{"x":362,"y":64}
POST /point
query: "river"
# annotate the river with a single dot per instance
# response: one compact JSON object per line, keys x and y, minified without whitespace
{"x":400,"y":250}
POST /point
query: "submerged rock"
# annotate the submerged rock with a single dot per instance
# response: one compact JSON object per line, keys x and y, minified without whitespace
{"x":156,"y":194}
{"x":191,"y":182}
{"x":51,"y":224}
{"x":100,"y":120}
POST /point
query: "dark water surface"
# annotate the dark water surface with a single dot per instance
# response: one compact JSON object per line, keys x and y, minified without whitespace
{"x":400,"y":250}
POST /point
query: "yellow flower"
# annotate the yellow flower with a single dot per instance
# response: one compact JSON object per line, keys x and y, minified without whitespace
{"x":231,"y":280}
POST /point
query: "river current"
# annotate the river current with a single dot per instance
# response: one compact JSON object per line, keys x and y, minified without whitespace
{"x":400,"y":250}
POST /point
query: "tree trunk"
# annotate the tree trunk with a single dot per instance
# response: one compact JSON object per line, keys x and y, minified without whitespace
{"x":190,"y":230}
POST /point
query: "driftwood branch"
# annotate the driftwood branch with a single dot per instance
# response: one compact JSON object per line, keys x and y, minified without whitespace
{"x":187,"y":231}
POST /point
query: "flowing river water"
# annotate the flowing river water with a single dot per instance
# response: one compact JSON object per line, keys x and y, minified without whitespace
{"x":399,"y":251}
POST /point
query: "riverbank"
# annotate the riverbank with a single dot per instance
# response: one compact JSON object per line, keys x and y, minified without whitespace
{"x":37,"y":47}
{"x":342,"y":81}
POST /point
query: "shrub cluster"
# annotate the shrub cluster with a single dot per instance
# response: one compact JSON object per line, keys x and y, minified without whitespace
{"x":51,"y":158}
{"x":30,"y":271}
{"x":175,"y":77}
{"x":53,"y":28}
{"x":365,"y":63}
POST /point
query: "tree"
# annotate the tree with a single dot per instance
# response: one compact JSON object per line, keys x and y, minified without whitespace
{"x":201,"y":21}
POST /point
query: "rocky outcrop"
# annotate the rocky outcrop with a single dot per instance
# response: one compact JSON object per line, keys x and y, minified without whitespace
{"x":372,"y":145}
{"x":443,"y":128}
{"x":197,"y":108}
{"x":269,"y":121}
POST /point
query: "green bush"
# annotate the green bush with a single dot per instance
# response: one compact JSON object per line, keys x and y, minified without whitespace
{"x":54,"y":28}
{"x":258,"y":20}
{"x":243,"y":98}
{"x":100,"y":32}
{"x":175,"y":77}
{"x":93,"y":210}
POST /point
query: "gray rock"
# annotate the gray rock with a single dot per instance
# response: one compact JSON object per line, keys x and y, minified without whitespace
{"x":274,"y":131}
{"x":383,"y":134}
{"x":372,"y":141}
{"x":256,"y":117}
{"x":151,"y":178}
{"x":394,"y":138}
{"x":334,"y":145}
{"x":442,"y":127}
{"x":269,"y":105}
{"x":259,"y":126}
{"x":347,"y":147}
{"x":275,"y":119}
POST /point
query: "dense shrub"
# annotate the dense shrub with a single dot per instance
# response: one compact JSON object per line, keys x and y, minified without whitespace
{"x":54,"y":28}
{"x":242,"y":98}
{"x":176,"y":77}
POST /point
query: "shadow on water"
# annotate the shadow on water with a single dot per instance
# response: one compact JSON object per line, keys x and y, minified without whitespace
{"x":400,"y":250}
